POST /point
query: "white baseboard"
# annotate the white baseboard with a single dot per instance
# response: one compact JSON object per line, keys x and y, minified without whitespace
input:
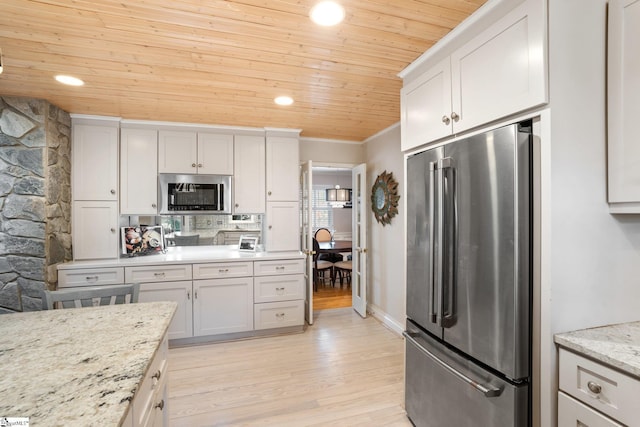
{"x":385,"y":319}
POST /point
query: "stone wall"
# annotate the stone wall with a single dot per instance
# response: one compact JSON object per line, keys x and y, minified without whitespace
{"x":35,"y":199}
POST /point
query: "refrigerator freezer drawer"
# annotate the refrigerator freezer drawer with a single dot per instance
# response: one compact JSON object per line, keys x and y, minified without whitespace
{"x":444,"y":389}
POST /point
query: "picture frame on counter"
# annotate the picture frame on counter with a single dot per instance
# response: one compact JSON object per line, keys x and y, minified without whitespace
{"x":142,"y":240}
{"x":248,"y":243}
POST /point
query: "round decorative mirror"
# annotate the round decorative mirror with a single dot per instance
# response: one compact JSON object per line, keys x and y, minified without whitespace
{"x":384,"y":198}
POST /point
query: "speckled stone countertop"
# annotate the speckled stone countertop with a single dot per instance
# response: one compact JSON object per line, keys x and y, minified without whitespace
{"x":615,"y":345}
{"x":78,"y":367}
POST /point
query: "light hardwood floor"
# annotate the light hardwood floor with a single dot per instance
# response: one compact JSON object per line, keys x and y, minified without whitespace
{"x":342,"y":371}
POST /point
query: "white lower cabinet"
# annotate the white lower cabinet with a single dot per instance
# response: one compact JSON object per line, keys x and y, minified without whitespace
{"x":150,"y":402}
{"x":90,"y":277}
{"x":278,"y":294}
{"x":222,"y":306}
{"x":214,"y":298}
{"x":271,"y":315}
{"x":181,"y":292}
{"x":594,"y":394}
{"x":574,"y":413}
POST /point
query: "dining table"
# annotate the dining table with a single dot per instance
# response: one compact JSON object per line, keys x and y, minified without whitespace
{"x":335,"y":246}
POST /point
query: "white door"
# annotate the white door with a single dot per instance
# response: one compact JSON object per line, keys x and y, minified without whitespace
{"x":359,"y":237}
{"x":306,"y":234}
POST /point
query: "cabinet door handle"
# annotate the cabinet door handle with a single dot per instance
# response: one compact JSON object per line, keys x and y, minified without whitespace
{"x":160,"y":405}
{"x":195,"y":294}
{"x":193,"y":165}
{"x":269,"y":193}
{"x":237,"y":205}
{"x":153,"y":205}
{"x":157,"y":375}
{"x":161,"y":274}
{"x":91,"y":278}
{"x":188,"y":295}
{"x":279,"y":315}
{"x":113,"y":230}
{"x":455,"y":117}
{"x":199,"y":165}
{"x":594,"y":388}
{"x":270,"y":227}
{"x":223,"y":270}
{"x":446,"y":120}
{"x":113,"y":191}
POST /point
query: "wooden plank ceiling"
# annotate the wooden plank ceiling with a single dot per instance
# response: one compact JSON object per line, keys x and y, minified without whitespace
{"x":223,"y":62}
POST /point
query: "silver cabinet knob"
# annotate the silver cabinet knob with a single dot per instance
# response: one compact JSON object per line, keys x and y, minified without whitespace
{"x":270,"y":227}
{"x":269,"y":193}
{"x":160,"y":405}
{"x":446,"y":120}
{"x":455,"y":117}
{"x":153,"y":205}
{"x":594,"y":387}
{"x":113,"y":230}
{"x":157,"y":375}
{"x":199,"y":165}
{"x":113,"y":191}
{"x":237,"y":205}
{"x":193,"y":165}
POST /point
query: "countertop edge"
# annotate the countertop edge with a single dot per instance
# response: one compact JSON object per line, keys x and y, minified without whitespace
{"x":617,"y":346}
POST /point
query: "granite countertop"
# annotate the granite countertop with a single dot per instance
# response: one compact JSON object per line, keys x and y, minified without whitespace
{"x":185,"y":254}
{"x":616,"y":345}
{"x":78,"y":367}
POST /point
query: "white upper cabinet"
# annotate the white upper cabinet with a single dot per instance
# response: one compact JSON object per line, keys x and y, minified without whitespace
{"x":249,"y":174}
{"x":177,"y":152}
{"x":95,"y":229}
{"x":500,"y":72}
{"x":190,"y":152}
{"x":623,"y":106}
{"x":215,"y":154}
{"x":283,"y":231}
{"x":95,"y":161}
{"x":138,"y":171}
{"x":283,"y":182}
{"x":426,"y":106}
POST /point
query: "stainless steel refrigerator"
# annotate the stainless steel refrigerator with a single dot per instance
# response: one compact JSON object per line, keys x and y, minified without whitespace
{"x":468,"y":345}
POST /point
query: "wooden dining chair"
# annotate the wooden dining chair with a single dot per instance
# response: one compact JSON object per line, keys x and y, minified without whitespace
{"x":90,"y":296}
{"x":342,"y":269}
{"x":323,"y":235}
{"x":320,"y":267}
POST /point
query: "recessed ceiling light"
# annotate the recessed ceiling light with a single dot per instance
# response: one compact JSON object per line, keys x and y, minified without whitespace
{"x":283,"y":100}
{"x":68,"y":80}
{"x":327,"y":13}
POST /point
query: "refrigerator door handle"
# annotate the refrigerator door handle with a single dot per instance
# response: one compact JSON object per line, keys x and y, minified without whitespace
{"x":486,"y":390}
{"x":438,"y":270}
{"x":432,"y":239}
{"x":449,"y":264}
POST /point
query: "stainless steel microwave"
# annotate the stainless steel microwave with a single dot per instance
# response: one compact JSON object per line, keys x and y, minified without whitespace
{"x":194,"y":194}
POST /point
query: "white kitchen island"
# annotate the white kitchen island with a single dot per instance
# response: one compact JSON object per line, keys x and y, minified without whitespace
{"x":85,"y":366}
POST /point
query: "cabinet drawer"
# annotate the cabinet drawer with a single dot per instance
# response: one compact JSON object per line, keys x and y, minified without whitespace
{"x":157,"y":274}
{"x":600,"y":387}
{"x":573,"y":413}
{"x":90,"y":277}
{"x":278,"y":288}
{"x":219,"y":270}
{"x":285,"y":266}
{"x":271,"y":315}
